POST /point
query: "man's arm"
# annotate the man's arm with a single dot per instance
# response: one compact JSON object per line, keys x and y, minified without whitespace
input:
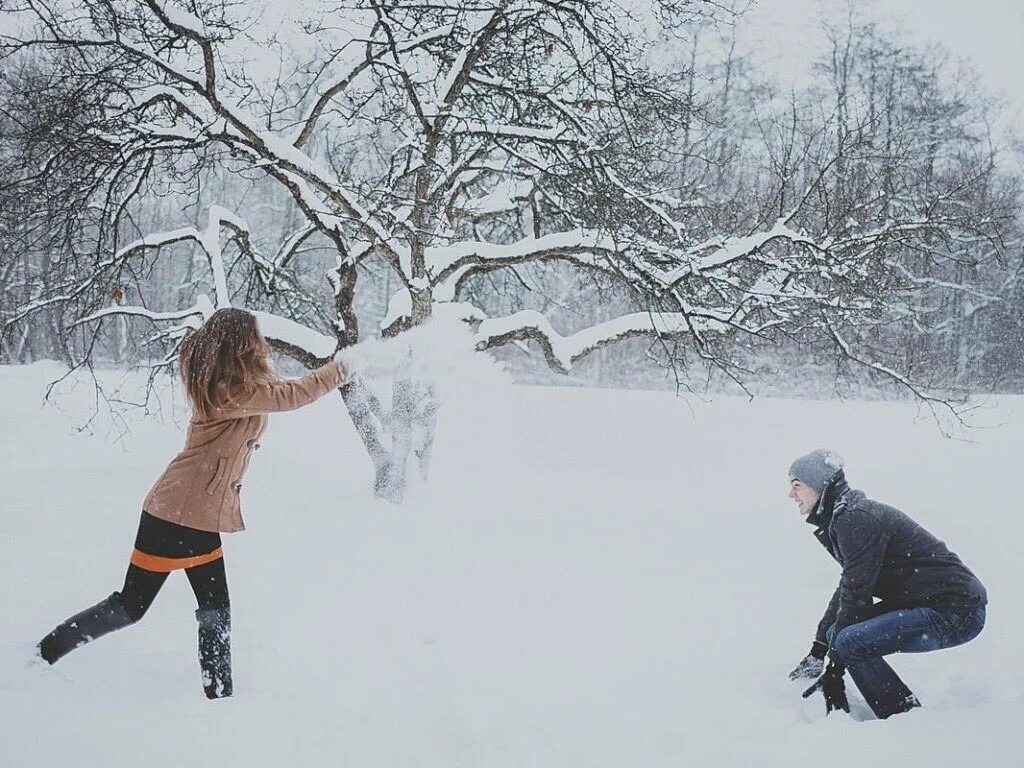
{"x":821,"y":636}
{"x":811,"y":665}
{"x":861,"y":541}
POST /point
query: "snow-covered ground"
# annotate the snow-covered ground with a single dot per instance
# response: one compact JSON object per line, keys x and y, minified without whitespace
{"x":592,"y":578}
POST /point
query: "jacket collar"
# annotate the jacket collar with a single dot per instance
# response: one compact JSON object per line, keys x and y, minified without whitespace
{"x":835,"y":489}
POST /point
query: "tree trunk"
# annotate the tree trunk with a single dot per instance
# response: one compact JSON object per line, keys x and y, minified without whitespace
{"x":368,"y":419}
{"x":399,"y":443}
{"x":427,"y":407}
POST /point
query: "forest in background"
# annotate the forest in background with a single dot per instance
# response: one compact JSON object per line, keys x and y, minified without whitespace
{"x":628,"y":200}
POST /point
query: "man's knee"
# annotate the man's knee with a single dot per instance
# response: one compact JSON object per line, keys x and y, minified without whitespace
{"x":847,"y":648}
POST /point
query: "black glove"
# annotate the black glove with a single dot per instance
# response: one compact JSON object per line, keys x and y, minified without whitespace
{"x":812,"y":664}
{"x":832,"y":687}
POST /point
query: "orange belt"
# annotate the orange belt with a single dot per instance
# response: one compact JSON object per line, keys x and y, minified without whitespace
{"x":168,"y":564}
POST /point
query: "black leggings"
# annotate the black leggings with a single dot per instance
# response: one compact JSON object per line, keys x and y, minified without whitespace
{"x":164,"y":539}
{"x":209,"y":582}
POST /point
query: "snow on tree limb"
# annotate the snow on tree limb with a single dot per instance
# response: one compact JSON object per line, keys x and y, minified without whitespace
{"x":399,"y":307}
{"x":194,"y":314}
{"x":208,"y":239}
{"x":340,"y":84}
{"x":297,"y":338}
{"x":231,"y":123}
{"x":448,"y":265}
{"x":451,"y":83}
{"x":282,"y":329}
{"x":453,"y":141}
{"x":158,"y":240}
{"x":180,"y":20}
{"x":719,"y":252}
{"x":554,"y":134}
{"x":888,"y":372}
{"x":273,"y":327}
{"x":562,"y":352}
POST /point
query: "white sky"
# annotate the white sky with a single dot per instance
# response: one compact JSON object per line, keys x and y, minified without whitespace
{"x":990,"y":33}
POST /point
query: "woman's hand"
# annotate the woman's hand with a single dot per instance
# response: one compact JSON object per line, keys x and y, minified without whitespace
{"x":343,"y":359}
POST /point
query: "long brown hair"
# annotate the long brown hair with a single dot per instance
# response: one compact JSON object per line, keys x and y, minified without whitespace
{"x":225,"y":358}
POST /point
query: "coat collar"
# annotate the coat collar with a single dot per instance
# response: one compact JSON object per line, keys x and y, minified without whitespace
{"x":835,"y":489}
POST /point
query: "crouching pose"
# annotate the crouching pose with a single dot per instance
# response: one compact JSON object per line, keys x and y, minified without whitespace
{"x":231,"y":388}
{"x":928,"y":599}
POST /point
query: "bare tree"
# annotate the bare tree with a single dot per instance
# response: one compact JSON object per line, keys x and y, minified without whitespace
{"x":434,"y":147}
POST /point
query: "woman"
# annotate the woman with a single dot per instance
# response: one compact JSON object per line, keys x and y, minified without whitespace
{"x":232,"y":389}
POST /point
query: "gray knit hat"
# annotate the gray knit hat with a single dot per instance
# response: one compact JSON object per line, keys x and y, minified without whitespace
{"x":816,"y":468}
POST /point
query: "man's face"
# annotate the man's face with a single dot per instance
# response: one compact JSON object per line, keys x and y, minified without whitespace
{"x":804,"y":496}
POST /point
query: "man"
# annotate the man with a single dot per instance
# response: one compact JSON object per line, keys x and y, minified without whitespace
{"x":928,"y":598}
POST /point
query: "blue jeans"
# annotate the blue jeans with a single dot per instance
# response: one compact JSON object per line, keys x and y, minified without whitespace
{"x":860,"y":648}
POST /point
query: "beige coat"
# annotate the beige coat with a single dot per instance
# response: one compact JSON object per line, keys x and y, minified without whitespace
{"x":200,"y":488}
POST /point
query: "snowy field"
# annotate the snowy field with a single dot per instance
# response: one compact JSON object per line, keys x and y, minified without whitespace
{"x":592,"y":578}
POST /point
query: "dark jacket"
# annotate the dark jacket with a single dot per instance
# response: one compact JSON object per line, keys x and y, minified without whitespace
{"x":887,"y":555}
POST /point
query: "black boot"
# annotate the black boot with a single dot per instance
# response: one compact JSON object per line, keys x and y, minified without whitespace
{"x":215,"y":651}
{"x":103,"y":618}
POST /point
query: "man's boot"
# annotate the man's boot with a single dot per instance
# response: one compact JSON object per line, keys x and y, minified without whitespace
{"x":909,"y":702}
{"x":97,"y":621}
{"x":215,"y":651}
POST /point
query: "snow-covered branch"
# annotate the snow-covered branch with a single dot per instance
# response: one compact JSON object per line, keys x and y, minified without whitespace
{"x":563,"y":352}
{"x":886,"y":371}
{"x":449,"y":265}
{"x":342,"y":83}
{"x":193,"y":315}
